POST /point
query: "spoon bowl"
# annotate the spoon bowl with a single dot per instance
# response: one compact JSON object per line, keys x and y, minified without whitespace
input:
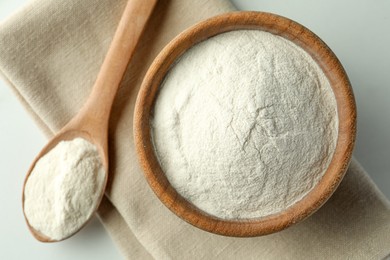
{"x":346,"y":110}
{"x":67,"y":136}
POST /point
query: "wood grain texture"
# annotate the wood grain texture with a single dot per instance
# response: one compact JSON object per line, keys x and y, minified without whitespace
{"x":91,"y":123}
{"x":346,"y":108}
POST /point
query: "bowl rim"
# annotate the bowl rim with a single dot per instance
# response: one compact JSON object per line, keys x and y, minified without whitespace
{"x":346,"y":108}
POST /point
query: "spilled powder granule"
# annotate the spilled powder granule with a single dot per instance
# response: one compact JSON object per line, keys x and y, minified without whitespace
{"x":64,"y":188}
{"x":245,"y":124}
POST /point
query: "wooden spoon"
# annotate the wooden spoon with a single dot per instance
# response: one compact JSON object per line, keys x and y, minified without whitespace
{"x":91,"y":123}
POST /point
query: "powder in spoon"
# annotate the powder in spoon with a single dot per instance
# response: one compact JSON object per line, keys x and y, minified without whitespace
{"x":245,"y":124}
{"x":64,"y":188}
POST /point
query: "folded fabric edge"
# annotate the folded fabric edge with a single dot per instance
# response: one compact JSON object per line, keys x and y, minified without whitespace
{"x":16,"y":13}
{"x":44,"y":128}
{"x":116,"y":226}
{"x":356,"y":166}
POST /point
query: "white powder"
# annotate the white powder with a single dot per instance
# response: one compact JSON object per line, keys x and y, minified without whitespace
{"x":63,"y":189}
{"x":245,"y":124}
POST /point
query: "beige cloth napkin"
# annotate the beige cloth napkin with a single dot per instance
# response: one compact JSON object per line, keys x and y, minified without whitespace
{"x":50,"y":53}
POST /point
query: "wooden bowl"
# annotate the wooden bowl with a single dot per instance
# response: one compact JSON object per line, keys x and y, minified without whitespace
{"x":339,"y":82}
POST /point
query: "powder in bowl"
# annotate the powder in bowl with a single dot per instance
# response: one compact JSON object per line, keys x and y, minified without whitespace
{"x":244,"y":125}
{"x":64,"y":188}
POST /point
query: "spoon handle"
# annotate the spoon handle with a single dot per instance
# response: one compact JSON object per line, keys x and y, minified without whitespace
{"x":98,"y":106}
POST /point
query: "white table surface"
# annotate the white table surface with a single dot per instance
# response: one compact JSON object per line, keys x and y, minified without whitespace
{"x":358,"y":31}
